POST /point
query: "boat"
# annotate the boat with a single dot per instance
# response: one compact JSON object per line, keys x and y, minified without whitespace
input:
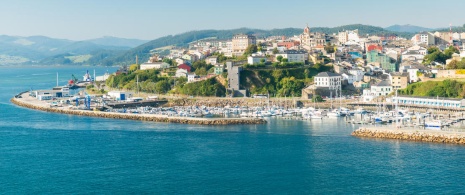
{"x":433,"y":124}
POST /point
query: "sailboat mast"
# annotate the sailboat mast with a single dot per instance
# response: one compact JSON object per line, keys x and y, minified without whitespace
{"x":57,"y":79}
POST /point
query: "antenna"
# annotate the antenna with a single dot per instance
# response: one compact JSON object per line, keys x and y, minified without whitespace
{"x":450,"y":33}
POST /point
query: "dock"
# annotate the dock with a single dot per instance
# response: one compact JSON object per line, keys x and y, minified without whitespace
{"x":24,"y":100}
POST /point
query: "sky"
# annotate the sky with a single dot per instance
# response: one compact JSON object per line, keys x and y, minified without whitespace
{"x":151,"y":19}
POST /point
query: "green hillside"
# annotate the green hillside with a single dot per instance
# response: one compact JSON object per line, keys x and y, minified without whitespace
{"x":446,"y":88}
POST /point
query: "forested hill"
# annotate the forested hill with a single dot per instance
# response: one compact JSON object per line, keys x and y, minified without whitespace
{"x":182,"y":40}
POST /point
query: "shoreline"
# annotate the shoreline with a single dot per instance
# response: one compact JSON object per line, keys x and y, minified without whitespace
{"x":410,"y":134}
{"x":34,"y":104}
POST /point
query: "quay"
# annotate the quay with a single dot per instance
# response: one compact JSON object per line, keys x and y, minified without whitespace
{"x":411,"y":134}
{"x":24,"y":100}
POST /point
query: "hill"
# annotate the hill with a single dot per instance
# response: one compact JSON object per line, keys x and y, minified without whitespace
{"x":182,"y":40}
{"x":41,"y":49}
{"x":117,"y":42}
{"x":407,"y":28}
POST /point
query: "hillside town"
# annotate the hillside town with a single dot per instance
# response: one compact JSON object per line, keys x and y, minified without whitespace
{"x":369,"y":67}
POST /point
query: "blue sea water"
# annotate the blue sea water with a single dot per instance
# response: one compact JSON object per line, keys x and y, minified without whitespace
{"x":47,"y":153}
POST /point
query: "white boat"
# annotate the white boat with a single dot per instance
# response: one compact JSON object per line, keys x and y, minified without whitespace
{"x":433,"y":124}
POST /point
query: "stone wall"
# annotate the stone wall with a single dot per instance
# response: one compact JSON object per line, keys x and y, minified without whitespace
{"x":154,"y":118}
{"x":439,"y":137}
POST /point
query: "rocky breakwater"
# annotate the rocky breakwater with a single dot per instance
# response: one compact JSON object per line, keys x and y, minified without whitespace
{"x":142,"y":117}
{"x":435,"y":136}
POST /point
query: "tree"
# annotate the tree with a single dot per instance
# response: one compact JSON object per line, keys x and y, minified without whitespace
{"x":317,"y":98}
{"x":279,"y":58}
{"x":285,"y":60}
{"x":250,"y":50}
{"x":329,"y":48}
{"x":262,"y":61}
{"x":133,"y":67}
{"x":201,"y":71}
{"x":275,"y":50}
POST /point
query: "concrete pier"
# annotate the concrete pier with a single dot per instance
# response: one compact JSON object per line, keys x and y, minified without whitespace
{"x":24,"y":100}
{"x":436,"y":136}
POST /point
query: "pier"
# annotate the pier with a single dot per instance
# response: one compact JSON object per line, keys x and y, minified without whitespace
{"x":24,"y":100}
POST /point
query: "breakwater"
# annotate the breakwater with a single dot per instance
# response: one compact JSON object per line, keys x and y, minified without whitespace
{"x":435,"y":136}
{"x":142,"y":117}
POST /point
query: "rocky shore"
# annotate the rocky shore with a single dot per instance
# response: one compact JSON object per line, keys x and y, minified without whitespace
{"x":38,"y":105}
{"x":435,"y":136}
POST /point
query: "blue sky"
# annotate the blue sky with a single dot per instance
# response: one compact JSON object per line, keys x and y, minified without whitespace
{"x":145,"y":19}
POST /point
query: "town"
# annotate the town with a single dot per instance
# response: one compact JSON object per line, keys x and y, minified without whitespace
{"x":311,"y":65}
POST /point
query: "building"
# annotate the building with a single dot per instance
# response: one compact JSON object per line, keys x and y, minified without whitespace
{"x":191,"y":77}
{"x":120,"y":95}
{"x":234,"y":75}
{"x":425,"y":38}
{"x":212,"y":60}
{"x":185,"y":67}
{"x":50,"y":94}
{"x":414,"y":54}
{"x":358,"y":74}
{"x":348,"y":37}
{"x":414,"y":72}
{"x":181,"y":73}
{"x":293,"y":56}
{"x":255,"y":59}
{"x":309,"y":40}
{"x":240,"y":43}
{"x":399,"y":80}
{"x":384,"y":61}
{"x":429,"y":101}
{"x":154,"y":65}
{"x":219,"y":69}
{"x":328,"y":79}
{"x":443,"y":38}
{"x":382,"y":88}
{"x":350,"y":78}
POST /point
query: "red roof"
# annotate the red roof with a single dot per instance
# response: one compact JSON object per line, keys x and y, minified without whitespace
{"x":185,"y":67}
{"x":375,"y":47}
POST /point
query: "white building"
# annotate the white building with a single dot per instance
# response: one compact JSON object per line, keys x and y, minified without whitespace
{"x":358,"y":73}
{"x":154,"y":65}
{"x":349,"y":77}
{"x":328,"y":79}
{"x":212,"y":60}
{"x":120,"y":95}
{"x":49,"y":94}
{"x":413,"y":70}
{"x":294,"y":55}
{"x":255,"y":59}
{"x":424,"y":38}
{"x":382,"y":88}
{"x":191,"y":77}
{"x":181,"y":73}
{"x":429,"y":101}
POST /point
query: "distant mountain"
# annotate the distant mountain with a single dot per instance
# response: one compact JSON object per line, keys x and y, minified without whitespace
{"x":36,"y":49}
{"x":118,"y":51}
{"x":407,"y":28}
{"x":182,"y":40}
{"x":118,"y":42}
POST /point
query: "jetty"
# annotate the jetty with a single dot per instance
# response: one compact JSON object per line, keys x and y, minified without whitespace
{"x":24,"y":100}
{"x":412,"y":134}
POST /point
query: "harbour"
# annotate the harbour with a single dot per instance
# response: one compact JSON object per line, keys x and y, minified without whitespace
{"x":64,"y":152}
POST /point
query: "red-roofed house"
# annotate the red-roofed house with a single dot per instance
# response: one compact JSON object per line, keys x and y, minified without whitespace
{"x":185,"y":67}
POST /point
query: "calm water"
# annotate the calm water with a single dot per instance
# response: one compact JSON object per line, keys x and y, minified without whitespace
{"x":51,"y":153}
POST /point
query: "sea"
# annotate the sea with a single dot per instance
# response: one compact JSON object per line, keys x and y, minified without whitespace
{"x":48,"y":153}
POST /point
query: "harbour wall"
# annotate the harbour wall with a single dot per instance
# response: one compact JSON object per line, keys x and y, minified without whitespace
{"x":142,"y":117}
{"x":435,"y":136}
